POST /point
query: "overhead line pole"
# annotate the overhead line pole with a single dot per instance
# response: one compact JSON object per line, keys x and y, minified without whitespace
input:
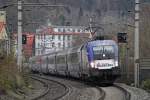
{"x":136,"y":44}
{"x":20,"y":4}
{"x":19,"y":51}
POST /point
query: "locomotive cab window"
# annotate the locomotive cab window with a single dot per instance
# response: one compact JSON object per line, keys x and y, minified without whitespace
{"x":103,"y":52}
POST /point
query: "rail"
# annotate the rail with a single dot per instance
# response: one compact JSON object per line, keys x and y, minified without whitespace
{"x":67,"y":89}
{"x":103,"y":94}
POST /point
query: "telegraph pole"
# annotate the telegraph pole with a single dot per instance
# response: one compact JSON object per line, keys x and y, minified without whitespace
{"x":19,"y":51}
{"x":136,"y":44}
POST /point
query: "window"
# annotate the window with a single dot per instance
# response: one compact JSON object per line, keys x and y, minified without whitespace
{"x":68,"y":37}
{"x":59,"y":37}
{"x":78,"y":30}
{"x":53,"y":44}
{"x":51,"y":60}
{"x":68,"y":44}
{"x":44,"y":36}
{"x":59,"y":45}
{"x":68,"y":29}
{"x":64,"y":30}
{"x":103,"y":52}
{"x":38,"y":36}
{"x":73,"y":58}
{"x":38,"y":45}
{"x":60,"y":59}
{"x":73,"y":30}
{"x":63,"y":36}
{"x":59,"y":30}
{"x":53,"y":37}
{"x":39,"y":52}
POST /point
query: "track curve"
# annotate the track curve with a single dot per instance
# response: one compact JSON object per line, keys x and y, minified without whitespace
{"x":115,"y":93}
{"x":53,"y":87}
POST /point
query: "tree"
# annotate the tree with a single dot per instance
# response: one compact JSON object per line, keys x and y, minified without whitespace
{"x":62,"y":19}
{"x":145,"y":30}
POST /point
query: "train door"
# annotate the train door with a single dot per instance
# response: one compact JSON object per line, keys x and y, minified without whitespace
{"x":85,"y":63}
{"x":44,"y":64}
{"x":73,"y":63}
{"x":61,"y":63}
{"x":51,"y":64}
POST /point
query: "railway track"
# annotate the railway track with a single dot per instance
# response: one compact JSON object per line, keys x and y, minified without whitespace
{"x":44,"y":92}
{"x":55,"y":90}
{"x":76,"y":90}
{"x":115,"y":92}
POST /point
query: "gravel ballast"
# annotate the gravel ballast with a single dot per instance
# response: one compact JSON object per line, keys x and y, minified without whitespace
{"x":135,"y":93}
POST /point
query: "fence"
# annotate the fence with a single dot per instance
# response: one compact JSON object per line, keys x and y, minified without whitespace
{"x":144,"y":69}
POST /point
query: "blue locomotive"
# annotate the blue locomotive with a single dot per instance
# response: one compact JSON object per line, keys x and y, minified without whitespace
{"x":96,"y":59}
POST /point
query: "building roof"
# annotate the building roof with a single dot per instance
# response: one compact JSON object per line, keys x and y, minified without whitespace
{"x":59,"y":30}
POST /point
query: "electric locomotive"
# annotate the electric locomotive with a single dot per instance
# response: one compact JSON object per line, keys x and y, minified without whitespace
{"x":95,"y":59}
{"x":103,"y":60}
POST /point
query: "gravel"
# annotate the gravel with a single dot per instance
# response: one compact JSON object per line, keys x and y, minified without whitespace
{"x":37,"y":89}
{"x":78,"y":90}
{"x":136,"y":93}
{"x":113,"y":93}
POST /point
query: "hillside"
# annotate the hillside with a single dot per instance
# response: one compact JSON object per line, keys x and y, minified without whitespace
{"x":75,"y":12}
{"x":112,"y":15}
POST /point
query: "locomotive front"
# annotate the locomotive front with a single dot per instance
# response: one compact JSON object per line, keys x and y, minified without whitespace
{"x":103,"y":59}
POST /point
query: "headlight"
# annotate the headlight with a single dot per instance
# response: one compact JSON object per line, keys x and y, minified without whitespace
{"x":92,"y":64}
{"x":116,"y":63}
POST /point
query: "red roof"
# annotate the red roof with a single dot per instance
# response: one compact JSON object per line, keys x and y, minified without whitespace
{"x":2,"y":24}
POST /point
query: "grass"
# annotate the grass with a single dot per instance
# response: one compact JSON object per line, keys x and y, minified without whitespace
{"x":10,"y":78}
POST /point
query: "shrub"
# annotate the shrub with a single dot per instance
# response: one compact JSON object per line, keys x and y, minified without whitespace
{"x":146,"y":84}
{"x":10,"y":78}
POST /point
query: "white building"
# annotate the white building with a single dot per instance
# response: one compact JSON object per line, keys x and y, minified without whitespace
{"x":53,"y":38}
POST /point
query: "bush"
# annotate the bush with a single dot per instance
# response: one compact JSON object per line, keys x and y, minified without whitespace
{"x":10,"y":78}
{"x":146,"y":84}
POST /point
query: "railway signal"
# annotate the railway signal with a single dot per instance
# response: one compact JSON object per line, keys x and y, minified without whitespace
{"x":24,"y":39}
{"x":122,"y":37}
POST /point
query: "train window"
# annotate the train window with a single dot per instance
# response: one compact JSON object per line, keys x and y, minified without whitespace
{"x":51,"y":60}
{"x":44,"y":60}
{"x":60,"y":59}
{"x":108,"y":49}
{"x":73,"y":57}
{"x":103,"y":52}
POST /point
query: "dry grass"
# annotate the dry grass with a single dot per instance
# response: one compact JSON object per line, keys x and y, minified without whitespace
{"x":10,"y":78}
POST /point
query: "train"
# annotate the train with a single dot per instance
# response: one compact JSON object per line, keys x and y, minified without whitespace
{"x":94,"y":60}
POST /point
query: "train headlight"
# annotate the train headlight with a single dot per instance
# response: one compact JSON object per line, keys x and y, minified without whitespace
{"x":92,"y":64}
{"x":116,"y":63}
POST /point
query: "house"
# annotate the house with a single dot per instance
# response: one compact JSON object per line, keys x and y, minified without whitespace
{"x":53,"y":38}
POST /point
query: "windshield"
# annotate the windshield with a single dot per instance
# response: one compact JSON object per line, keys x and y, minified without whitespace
{"x":103,"y":52}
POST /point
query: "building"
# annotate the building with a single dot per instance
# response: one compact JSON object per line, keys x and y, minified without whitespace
{"x":28,"y":48}
{"x":53,"y":38}
{"x":3,"y":33}
{"x":4,"y":42}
